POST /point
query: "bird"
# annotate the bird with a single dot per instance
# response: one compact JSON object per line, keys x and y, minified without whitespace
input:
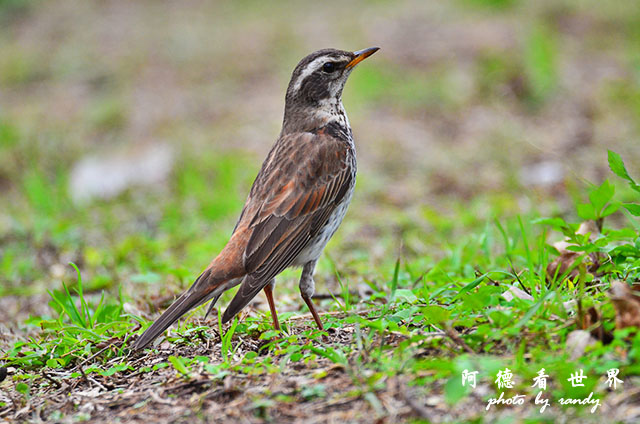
{"x":296,"y":203}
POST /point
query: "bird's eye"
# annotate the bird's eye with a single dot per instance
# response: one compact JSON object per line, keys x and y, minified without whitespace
{"x":329,"y":67}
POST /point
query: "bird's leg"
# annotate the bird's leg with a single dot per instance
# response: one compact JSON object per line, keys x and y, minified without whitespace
{"x":268,"y":291}
{"x":307,"y":287}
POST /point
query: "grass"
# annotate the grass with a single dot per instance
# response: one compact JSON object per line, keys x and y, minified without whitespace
{"x":446,"y":307}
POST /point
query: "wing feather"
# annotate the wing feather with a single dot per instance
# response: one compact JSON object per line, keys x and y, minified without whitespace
{"x":302,"y":181}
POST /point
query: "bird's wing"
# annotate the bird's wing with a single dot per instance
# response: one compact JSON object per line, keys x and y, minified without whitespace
{"x":300,"y":184}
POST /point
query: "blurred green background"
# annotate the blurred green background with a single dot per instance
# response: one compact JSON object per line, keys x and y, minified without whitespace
{"x":472,"y":110}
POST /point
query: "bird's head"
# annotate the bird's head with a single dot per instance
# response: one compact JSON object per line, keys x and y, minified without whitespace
{"x":320,"y":77}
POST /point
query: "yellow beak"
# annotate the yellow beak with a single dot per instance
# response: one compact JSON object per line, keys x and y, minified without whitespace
{"x":361,"y":55}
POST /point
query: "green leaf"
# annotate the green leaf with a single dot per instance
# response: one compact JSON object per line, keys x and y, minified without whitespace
{"x":527,"y":316}
{"x":53,"y":363}
{"x":335,"y":356}
{"x":179,"y":365}
{"x":633,"y":208}
{"x":402,"y":315}
{"x":617,"y":166}
{"x":610,"y":208}
{"x":471,"y":286}
{"x":601,"y":195}
{"x":116,"y":368}
{"x":269,"y":334}
{"x":436,"y":314}
{"x":586,"y":211}
{"x":22,"y":388}
{"x":406,"y":295}
{"x":552,"y":222}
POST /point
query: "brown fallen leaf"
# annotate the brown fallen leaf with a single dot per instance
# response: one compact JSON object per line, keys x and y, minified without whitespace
{"x":626,"y":303}
{"x":593,"y":320}
{"x":567,"y":258}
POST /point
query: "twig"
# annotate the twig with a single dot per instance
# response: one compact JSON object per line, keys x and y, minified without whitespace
{"x":97,"y":354}
{"x":51,"y":379}
{"x":453,"y":334}
{"x":97,"y":383}
{"x":194,"y":383}
{"x":321,"y":296}
{"x":518,"y":278}
{"x":417,"y":280}
{"x":156,"y":398}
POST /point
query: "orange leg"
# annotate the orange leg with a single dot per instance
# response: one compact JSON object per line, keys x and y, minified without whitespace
{"x":268,"y":291}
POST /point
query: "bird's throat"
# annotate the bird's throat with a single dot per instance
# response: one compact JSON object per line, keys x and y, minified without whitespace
{"x":332,"y":112}
{"x":324,"y":113}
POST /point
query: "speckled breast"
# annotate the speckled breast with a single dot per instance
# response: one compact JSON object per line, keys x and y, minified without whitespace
{"x":314,"y":248}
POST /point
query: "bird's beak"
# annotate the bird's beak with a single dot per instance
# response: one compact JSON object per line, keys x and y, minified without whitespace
{"x":361,"y":55}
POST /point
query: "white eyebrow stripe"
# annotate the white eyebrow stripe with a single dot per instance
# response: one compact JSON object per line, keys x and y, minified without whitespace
{"x":308,"y":70}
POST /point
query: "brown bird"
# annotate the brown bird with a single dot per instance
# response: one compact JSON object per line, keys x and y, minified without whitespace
{"x":297,"y":201}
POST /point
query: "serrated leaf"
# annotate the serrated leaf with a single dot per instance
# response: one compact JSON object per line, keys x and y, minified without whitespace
{"x":617,"y":166}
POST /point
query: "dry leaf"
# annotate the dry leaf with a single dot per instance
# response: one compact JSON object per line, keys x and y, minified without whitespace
{"x":593,"y":320}
{"x":626,"y":303}
{"x":567,"y":257}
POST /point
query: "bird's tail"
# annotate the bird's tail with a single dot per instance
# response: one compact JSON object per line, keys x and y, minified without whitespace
{"x":207,"y":286}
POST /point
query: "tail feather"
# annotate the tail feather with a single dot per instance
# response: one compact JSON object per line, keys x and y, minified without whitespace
{"x":229,"y":284}
{"x":248,"y":290}
{"x":202,"y":290}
